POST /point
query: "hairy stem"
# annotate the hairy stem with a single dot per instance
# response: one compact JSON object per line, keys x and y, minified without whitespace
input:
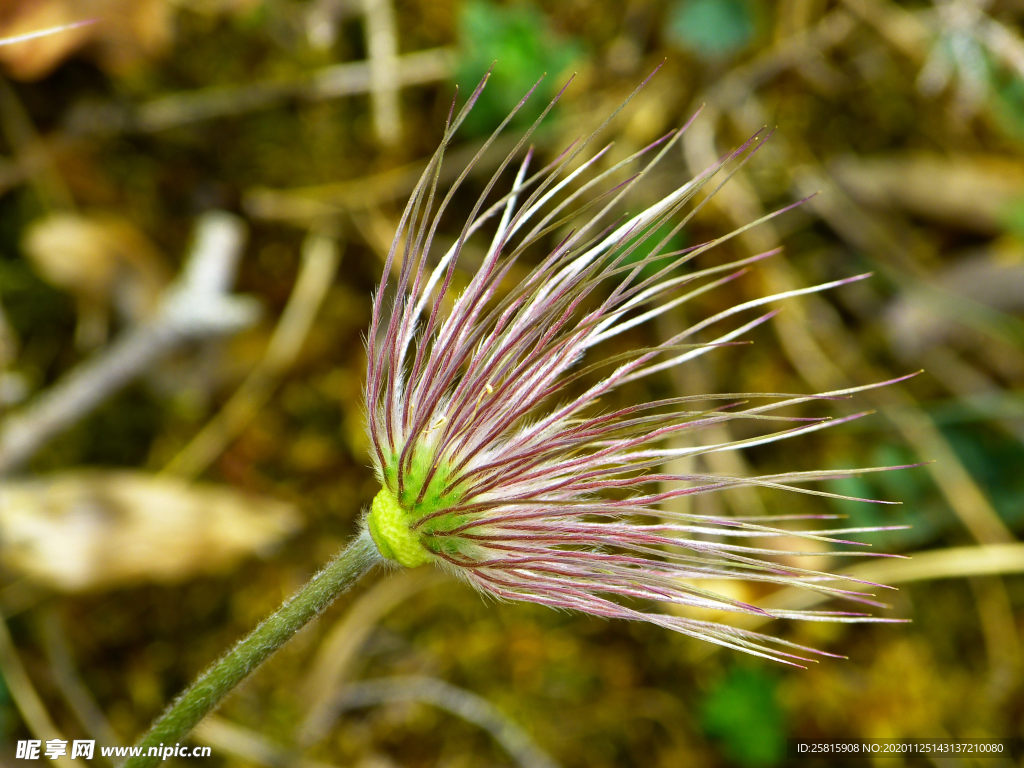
{"x":214,"y":684}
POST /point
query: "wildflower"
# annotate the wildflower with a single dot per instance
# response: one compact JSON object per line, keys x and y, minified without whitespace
{"x":492,"y":470}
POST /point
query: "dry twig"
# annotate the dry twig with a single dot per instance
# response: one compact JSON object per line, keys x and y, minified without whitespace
{"x":457,"y":701}
{"x":24,"y":694}
{"x":196,"y":306}
{"x":320,"y":257}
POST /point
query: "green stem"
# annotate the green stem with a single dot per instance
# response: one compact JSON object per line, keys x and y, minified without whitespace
{"x":214,"y":684}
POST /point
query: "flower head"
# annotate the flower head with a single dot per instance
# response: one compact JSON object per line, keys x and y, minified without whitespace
{"x":495,"y":459}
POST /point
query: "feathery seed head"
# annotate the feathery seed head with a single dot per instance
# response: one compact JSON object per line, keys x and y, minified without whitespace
{"x":493,"y":467}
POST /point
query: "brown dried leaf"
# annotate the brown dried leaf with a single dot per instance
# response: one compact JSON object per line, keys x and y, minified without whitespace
{"x":969,"y":191}
{"x":86,"y":530}
{"x":103,"y":260}
{"x":33,"y":59}
{"x":995,"y":280}
{"x":125,"y":32}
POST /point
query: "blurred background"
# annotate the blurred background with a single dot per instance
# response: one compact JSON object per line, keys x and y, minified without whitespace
{"x":196,"y":198}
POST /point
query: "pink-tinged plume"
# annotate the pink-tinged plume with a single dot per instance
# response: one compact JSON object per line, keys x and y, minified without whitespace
{"x":490,"y":468}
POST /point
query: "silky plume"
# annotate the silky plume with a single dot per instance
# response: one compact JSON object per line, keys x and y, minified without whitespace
{"x":494,"y":468}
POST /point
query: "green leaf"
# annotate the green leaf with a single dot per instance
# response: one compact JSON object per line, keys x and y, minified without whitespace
{"x":921,"y":509}
{"x":994,"y":460}
{"x":742,"y":713}
{"x":675,"y":243}
{"x":1013,"y":216}
{"x":712,"y":28}
{"x":521,"y":45}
